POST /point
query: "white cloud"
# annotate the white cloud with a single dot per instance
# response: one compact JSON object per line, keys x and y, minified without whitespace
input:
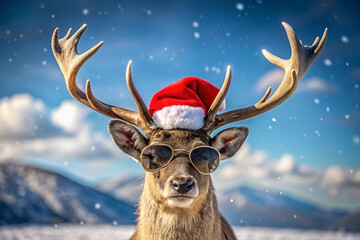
{"x":286,"y":164}
{"x":29,"y":129}
{"x":69,"y":116}
{"x":316,"y":84}
{"x":271,"y":78}
{"x":333,"y":176}
{"x":274,"y":77}
{"x":254,"y":167}
{"x":22,"y":117}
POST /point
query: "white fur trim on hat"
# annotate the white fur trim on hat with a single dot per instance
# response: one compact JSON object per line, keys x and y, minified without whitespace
{"x":180,"y":116}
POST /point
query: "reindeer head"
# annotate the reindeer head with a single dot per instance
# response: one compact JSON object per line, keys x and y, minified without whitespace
{"x":178,"y":162}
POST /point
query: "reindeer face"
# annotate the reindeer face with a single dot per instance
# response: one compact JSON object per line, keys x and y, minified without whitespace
{"x":182,"y":180}
{"x":179,"y":183}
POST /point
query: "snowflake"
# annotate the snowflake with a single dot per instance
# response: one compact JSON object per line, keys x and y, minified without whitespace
{"x":240,"y":6}
{"x":327,"y":62}
{"x":344,"y":39}
{"x":195,"y":24}
{"x":196,"y":35}
{"x":85,"y":11}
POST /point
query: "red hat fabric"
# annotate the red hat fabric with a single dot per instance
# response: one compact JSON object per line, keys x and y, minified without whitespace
{"x":183,"y":104}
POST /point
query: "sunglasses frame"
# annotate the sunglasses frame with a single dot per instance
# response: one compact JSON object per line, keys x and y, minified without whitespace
{"x":172,"y":157}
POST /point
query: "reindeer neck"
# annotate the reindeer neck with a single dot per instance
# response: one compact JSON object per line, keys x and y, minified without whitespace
{"x":157,"y":223}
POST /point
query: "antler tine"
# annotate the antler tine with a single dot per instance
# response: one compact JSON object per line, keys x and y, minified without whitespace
{"x":300,"y":61}
{"x":70,"y":62}
{"x":148,"y":121}
{"x":109,"y":110}
{"x":211,"y":115}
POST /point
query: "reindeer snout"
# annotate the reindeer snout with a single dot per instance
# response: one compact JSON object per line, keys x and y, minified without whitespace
{"x":182,"y":185}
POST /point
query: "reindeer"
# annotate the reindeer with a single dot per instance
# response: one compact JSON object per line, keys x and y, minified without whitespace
{"x":178,"y":199}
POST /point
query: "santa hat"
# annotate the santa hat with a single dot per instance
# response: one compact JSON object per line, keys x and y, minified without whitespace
{"x":183,"y":104}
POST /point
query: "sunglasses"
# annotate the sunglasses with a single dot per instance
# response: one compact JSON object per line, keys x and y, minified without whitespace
{"x":205,"y":159}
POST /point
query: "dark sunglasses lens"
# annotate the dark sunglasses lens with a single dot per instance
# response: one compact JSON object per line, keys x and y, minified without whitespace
{"x":156,"y":156}
{"x":205,"y":159}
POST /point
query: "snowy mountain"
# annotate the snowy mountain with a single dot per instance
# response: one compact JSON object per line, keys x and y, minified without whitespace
{"x":350,"y":223}
{"x":252,"y":207}
{"x":128,"y":188}
{"x":245,"y":206}
{"x":33,"y":195}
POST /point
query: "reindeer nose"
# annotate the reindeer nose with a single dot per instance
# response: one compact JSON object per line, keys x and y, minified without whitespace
{"x":181,"y":186}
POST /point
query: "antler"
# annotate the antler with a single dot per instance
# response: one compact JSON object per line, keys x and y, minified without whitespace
{"x":300,"y":61}
{"x":70,"y":62}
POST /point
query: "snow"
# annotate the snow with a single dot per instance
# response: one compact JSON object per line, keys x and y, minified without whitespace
{"x":196,"y":35}
{"x":96,"y":232}
{"x":344,"y":39}
{"x":85,"y":11}
{"x":327,"y":62}
{"x":195,"y":24}
{"x":240,"y":6}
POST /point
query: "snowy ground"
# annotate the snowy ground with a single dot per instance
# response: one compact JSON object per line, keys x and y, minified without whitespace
{"x":99,"y":232}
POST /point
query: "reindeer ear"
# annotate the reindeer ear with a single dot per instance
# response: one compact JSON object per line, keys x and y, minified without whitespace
{"x":229,"y":141}
{"x":127,"y":138}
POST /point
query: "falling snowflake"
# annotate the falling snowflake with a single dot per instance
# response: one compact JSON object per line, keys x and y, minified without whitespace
{"x":196,"y":35}
{"x":240,"y":6}
{"x":85,"y":11}
{"x":52,"y":15}
{"x":316,"y":100}
{"x":344,"y":39}
{"x":97,"y":205}
{"x":44,"y":63}
{"x":273,"y":119}
{"x":327,"y":62}
{"x":327,"y":109}
{"x":347,"y":116}
{"x":207,"y":68}
{"x":195,"y":24}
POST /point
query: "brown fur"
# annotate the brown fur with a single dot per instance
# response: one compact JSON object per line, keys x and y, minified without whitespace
{"x":201,"y":220}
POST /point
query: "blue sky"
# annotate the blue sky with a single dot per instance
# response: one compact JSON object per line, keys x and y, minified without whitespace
{"x":317,"y":129}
